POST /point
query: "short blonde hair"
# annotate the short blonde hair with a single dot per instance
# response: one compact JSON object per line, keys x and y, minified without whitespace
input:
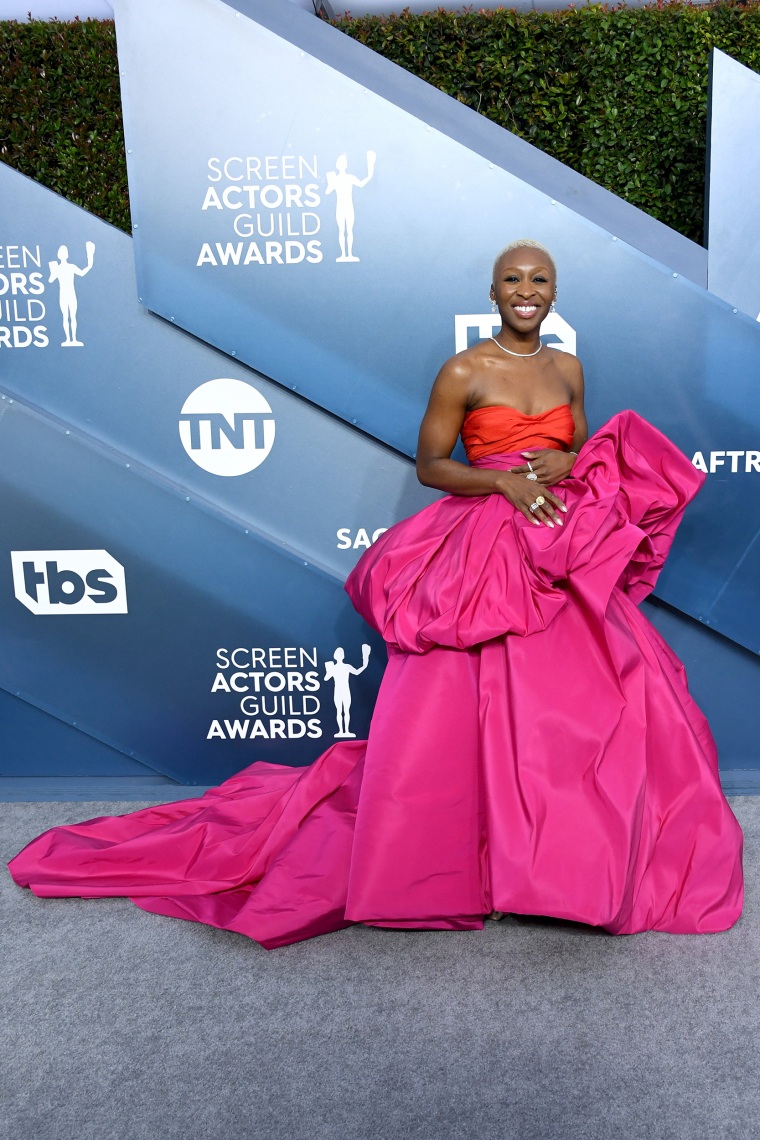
{"x":524,"y":243}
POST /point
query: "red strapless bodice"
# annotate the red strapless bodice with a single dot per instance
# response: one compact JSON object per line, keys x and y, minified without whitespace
{"x":497,"y":430}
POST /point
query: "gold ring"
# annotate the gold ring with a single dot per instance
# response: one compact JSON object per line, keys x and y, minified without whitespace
{"x":540,"y":500}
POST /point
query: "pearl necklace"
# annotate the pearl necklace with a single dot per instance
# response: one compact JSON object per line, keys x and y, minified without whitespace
{"x":522,"y":354}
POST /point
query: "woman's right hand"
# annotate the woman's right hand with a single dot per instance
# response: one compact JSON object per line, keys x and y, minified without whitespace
{"x":522,"y":493}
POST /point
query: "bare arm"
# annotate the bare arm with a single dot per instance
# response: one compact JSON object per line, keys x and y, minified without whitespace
{"x":577,"y":408}
{"x":439,"y":430}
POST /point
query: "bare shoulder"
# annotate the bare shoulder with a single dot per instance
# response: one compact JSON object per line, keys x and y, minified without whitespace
{"x":455,"y":376}
{"x":570,"y":369}
{"x":465,"y":361}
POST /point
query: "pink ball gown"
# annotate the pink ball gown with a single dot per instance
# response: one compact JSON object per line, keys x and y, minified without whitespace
{"x":534,"y":748}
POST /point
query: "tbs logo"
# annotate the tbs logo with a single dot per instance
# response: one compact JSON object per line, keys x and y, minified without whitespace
{"x":69,"y":581}
{"x":226,"y":427}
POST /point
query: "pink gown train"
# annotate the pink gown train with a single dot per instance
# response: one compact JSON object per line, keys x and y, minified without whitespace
{"x":534,"y":748}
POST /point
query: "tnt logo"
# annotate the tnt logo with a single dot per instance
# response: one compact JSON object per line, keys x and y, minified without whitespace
{"x":226,"y":427}
{"x":69,"y":581}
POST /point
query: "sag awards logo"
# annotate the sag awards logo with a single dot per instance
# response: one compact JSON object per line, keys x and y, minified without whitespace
{"x":226,"y":427}
{"x":276,"y":206}
{"x":362,"y":539}
{"x":25,"y":319}
{"x":280,"y":693}
{"x":69,"y":581}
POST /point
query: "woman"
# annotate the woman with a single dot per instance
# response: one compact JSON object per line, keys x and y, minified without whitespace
{"x":534,"y":748}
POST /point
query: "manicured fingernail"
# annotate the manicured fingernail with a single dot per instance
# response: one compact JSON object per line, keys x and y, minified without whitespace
{"x":535,"y":522}
{"x":560,"y":522}
{"x":563,"y":507}
{"x":550,"y":523}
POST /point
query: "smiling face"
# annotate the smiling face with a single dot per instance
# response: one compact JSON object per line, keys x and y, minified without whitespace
{"x":524,"y":286}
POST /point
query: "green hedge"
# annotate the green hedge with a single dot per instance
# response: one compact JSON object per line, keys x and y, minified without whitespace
{"x":619,"y":94}
{"x":60,"y":112}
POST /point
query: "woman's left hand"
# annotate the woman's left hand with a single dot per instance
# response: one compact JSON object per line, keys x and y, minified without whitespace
{"x":548,"y":465}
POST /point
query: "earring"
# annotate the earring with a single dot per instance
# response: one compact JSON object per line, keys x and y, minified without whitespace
{"x":553,"y":306}
{"x":494,"y":306}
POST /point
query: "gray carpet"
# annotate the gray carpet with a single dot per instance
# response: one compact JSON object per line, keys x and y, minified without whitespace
{"x":123,"y":1025}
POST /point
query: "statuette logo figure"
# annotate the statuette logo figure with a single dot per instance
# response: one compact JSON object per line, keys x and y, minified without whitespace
{"x":339,"y":671}
{"x":341,"y":183}
{"x":64,"y":271}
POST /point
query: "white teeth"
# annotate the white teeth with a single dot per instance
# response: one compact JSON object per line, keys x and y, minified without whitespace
{"x":526,"y":308}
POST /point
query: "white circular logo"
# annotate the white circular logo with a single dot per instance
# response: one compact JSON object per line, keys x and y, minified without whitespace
{"x":226,"y":427}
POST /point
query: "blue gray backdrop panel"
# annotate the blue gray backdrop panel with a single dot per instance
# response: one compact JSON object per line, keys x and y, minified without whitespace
{"x":312,"y":226}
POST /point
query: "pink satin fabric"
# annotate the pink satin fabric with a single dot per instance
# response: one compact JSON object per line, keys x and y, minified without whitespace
{"x":534,"y":748}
